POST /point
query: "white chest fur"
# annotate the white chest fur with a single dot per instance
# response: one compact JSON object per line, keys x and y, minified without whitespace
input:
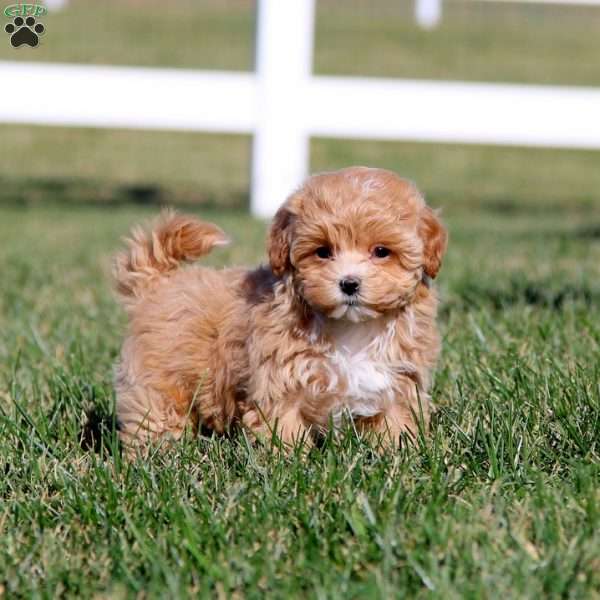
{"x":361,"y":360}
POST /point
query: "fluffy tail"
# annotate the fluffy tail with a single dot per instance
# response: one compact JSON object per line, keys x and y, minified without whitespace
{"x":152,"y":255}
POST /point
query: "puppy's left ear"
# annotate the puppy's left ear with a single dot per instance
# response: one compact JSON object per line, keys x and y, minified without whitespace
{"x":435,"y":240}
{"x":280,"y":239}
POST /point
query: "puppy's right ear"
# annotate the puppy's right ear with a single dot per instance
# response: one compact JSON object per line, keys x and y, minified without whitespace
{"x":280,"y":239}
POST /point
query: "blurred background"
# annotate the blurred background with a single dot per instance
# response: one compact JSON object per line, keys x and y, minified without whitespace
{"x":474,"y":41}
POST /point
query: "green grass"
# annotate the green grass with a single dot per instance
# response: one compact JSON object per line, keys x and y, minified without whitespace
{"x":501,"y":500}
{"x":185,"y":33}
{"x":476,"y":41}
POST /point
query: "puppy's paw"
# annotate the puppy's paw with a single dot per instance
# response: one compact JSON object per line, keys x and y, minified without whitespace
{"x":288,"y":430}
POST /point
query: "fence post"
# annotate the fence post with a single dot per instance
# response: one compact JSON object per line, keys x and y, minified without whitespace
{"x":428,"y":13}
{"x":280,"y":153}
{"x":55,"y":4}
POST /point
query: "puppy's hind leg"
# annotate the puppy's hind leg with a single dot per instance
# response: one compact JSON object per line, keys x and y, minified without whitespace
{"x":144,"y":416}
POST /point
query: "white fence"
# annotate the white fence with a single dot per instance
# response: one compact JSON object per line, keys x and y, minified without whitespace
{"x":283,"y":104}
{"x":428,"y":13}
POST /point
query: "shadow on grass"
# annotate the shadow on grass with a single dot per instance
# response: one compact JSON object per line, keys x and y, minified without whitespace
{"x":521,"y":292}
{"x":525,"y":203}
{"x":76,"y":191}
{"x":588,"y":232}
{"x":99,"y":431}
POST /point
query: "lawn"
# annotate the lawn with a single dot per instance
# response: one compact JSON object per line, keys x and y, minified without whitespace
{"x":502,"y":499}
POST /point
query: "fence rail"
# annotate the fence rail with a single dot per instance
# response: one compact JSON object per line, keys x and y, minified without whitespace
{"x":282,"y":105}
{"x":428,"y":13}
{"x":418,"y":110}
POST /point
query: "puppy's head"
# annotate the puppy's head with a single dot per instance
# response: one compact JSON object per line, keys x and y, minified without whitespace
{"x":357,"y":242}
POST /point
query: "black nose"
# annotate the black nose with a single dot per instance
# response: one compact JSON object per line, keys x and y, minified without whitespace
{"x":350,"y":285}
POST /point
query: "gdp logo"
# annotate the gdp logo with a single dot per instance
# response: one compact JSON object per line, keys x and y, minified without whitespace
{"x":25,"y":28}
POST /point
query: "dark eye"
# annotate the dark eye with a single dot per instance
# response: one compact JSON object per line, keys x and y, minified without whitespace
{"x":323,"y":252}
{"x":381,"y":251}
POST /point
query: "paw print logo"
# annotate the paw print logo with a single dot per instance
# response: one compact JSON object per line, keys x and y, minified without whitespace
{"x":24,"y":31}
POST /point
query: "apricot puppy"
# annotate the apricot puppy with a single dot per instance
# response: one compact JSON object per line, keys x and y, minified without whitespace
{"x":341,"y":322}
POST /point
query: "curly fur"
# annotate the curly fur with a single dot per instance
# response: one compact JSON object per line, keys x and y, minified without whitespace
{"x":282,"y":347}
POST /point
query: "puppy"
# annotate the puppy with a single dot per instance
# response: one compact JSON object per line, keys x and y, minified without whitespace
{"x":341,"y":322}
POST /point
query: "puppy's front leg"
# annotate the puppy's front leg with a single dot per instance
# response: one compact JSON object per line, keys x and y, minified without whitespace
{"x":409,"y":410}
{"x":395,"y":421}
{"x":291,"y":426}
{"x":291,"y":395}
{"x":285,"y":420}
